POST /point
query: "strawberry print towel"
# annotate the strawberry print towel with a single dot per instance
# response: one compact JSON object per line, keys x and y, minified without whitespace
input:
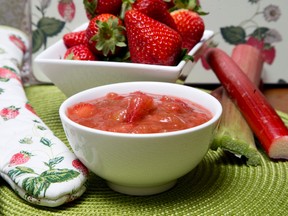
{"x":38,"y":166}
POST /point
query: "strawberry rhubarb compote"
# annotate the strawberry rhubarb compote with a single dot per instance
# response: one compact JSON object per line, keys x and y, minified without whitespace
{"x":138,"y":113}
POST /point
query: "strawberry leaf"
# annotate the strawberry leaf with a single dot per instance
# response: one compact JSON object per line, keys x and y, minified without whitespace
{"x":54,"y":161}
{"x":46,"y":141}
{"x":19,"y":170}
{"x":35,"y":185}
{"x":260,"y":33}
{"x":59,"y":175}
{"x":50,"y":26}
{"x":233,"y":34}
{"x":185,"y":56}
{"x":38,"y":39}
{"x":40,"y":127}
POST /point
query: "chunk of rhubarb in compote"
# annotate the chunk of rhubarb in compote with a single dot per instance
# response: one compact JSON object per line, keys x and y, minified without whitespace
{"x":139,"y":112}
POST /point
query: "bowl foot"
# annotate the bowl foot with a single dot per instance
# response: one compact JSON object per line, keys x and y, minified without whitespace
{"x":141,"y":191}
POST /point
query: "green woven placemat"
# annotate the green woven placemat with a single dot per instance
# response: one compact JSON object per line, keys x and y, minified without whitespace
{"x":220,"y":185}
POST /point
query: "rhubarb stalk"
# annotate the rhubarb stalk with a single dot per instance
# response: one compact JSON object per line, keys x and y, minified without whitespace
{"x":233,"y":134}
{"x":258,"y":112}
{"x":283,"y":116}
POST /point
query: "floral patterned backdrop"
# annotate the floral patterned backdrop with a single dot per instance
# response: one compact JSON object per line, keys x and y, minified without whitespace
{"x":260,"y":23}
{"x":51,"y":20}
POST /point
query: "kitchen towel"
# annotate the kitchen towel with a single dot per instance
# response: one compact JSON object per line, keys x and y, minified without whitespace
{"x":37,"y":165}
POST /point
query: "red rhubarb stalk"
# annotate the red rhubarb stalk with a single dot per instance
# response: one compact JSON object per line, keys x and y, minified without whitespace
{"x":233,"y":134}
{"x":250,"y":60}
{"x":258,"y":112}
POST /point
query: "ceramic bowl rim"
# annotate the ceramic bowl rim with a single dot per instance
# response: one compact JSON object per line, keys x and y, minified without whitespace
{"x":63,"y":116}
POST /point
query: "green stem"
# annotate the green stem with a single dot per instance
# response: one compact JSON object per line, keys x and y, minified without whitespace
{"x":233,"y":134}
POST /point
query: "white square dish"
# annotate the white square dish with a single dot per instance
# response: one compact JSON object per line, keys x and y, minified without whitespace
{"x":72,"y":76}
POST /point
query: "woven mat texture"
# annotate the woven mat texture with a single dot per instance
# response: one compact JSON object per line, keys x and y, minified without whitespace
{"x":220,"y":185}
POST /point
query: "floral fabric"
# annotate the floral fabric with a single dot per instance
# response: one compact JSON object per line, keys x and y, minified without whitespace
{"x":38,"y":166}
{"x":259,"y":23}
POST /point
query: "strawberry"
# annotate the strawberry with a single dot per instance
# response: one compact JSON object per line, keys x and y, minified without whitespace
{"x":75,"y":38}
{"x":79,"y":52}
{"x":156,"y":9}
{"x":20,"y":158}
{"x":80,"y":166}
{"x":106,"y":35}
{"x":82,"y":110}
{"x":96,"y":7}
{"x":170,"y":3}
{"x":18,"y":42}
{"x":6,"y":74}
{"x":10,"y":112}
{"x":190,"y":26}
{"x":255,"y":42}
{"x":30,"y":108}
{"x":139,"y":105}
{"x":268,"y":52}
{"x":150,"y":41}
{"x":67,"y":9}
{"x":192,"y":5}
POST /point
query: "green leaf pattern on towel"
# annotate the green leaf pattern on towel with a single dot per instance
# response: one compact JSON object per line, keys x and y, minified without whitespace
{"x":39,"y":183}
{"x":35,"y":184}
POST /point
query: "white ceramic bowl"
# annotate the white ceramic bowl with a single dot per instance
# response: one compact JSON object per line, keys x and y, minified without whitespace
{"x":141,"y":164}
{"x":72,"y":76}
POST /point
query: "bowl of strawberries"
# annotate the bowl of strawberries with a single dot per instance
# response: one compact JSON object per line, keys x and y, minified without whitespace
{"x":142,"y":40}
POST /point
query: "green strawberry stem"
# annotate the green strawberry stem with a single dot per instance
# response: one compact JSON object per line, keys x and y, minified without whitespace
{"x":110,"y":36}
{"x":90,"y":6}
{"x":126,"y":5}
{"x":192,"y":5}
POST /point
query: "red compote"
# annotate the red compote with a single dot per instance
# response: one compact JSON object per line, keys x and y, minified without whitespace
{"x":138,"y":112}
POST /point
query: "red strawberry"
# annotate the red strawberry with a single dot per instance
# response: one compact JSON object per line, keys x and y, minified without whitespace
{"x":106,"y":35}
{"x":30,"y":108}
{"x":170,"y":3}
{"x":255,"y":42}
{"x":80,"y":166}
{"x":190,"y":26}
{"x":7,"y":74}
{"x":150,"y":41}
{"x":97,"y":7}
{"x":10,"y":112}
{"x":67,"y":9}
{"x":20,"y":158}
{"x":82,"y":110}
{"x":18,"y":42}
{"x":75,"y":38}
{"x":139,"y":105}
{"x":156,"y":9}
{"x":268,"y":52}
{"x":79,"y":52}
